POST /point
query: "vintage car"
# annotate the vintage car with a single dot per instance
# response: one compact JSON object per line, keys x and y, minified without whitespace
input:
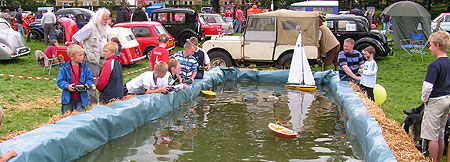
{"x":212,"y":23}
{"x":358,"y":28}
{"x":445,"y":22}
{"x":12,"y":44}
{"x":146,"y":34}
{"x":268,"y":39}
{"x":130,"y":53}
{"x":36,"y":31}
{"x":182,"y":23}
{"x":80,"y":15}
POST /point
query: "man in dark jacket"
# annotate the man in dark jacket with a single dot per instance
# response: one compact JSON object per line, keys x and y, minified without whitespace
{"x":122,"y":15}
{"x":139,"y":14}
{"x":19,"y":21}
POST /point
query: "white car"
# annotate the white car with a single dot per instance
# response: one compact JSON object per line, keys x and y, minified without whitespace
{"x":12,"y":44}
{"x":445,"y":22}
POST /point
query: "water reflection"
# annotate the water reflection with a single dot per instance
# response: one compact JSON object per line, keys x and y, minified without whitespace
{"x":228,"y":129}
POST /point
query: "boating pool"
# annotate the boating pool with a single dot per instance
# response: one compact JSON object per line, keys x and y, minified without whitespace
{"x":226,"y":128}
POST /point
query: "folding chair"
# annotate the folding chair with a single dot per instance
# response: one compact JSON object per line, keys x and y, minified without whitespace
{"x":45,"y":62}
{"x":413,"y":45}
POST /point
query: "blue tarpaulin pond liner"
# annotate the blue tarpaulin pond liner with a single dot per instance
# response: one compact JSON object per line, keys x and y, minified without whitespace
{"x":76,"y":135}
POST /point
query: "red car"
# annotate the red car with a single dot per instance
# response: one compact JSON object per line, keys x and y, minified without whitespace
{"x":69,"y":28}
{"x":212,"y":24}
{"x":146,"y":33}
{"x":130,"y":53}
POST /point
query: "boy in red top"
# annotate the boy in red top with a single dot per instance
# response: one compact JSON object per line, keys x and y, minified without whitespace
{"x":110,"y":82}
{"x":160,"y":53}
{"x":229,"y":15}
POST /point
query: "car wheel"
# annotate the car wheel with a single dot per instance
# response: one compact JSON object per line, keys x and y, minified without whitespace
{"x":35,"y":35}
{"x":219,"y":58}
{"x":362,"y":46}
{"x":285,"y":61}
{"x":184,"y":37}
{"x":148,"y":52}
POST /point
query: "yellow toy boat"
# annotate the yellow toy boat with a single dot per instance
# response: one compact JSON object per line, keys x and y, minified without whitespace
{"x":208,"y":94}
{"x":282,"y":130}
{"x":311,"y":88}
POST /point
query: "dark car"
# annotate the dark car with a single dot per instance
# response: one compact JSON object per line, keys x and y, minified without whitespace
{"x":358,"y":28}
{"x":182,"y":23}
{"x":80,"y":15}
{"x":36,"y":31}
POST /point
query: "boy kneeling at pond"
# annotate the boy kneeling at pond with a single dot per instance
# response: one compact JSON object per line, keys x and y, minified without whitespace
{"x":74,"y":78}
{"x":173,"y":80}
{"x":150,"y":81}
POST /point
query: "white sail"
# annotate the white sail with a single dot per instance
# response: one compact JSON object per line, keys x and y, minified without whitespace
{"x":300,"y":72}
{"x":299,"y":103}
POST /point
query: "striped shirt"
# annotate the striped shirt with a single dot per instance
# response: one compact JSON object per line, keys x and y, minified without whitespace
{"x":352,"y":60}
{"x":188,"y":64}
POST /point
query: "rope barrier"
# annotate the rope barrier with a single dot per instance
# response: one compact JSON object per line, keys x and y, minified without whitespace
{"x":39,"y":78}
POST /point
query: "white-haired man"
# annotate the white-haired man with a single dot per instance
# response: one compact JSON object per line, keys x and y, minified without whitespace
{"x":48,"y":22}
{"x":93,"y":35}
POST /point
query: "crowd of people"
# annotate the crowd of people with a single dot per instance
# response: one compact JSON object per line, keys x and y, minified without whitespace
{"x":98,"y":58}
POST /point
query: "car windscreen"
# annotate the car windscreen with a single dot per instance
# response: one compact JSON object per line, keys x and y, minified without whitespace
{"x":212,"y":19}
{"x":159,"y":29}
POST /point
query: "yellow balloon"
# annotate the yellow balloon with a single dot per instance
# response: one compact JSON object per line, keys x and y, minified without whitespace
{"x":379,"y":94}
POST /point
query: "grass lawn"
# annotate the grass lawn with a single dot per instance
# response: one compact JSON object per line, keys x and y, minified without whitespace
{"x":29,"y":102}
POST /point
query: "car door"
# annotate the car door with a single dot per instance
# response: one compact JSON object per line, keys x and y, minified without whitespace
{"x":259,"y":39}
{"x":143,"y":35}
{"x":445,"y":24}
{"x":166,"y":20}
{"x":349,"y":29}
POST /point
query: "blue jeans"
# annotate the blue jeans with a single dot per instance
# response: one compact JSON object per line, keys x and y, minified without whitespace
{"x":237,"y":26}
{"x":72,"y":105}
{"x":386,"y":27}
{"x":20,"y":29}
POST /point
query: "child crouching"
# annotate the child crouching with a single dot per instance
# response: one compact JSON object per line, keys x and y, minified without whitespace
{"x":110,"y":82}
{"x":150,"y":81}
{"x":74,"y":78}
{"x":174,"y":69}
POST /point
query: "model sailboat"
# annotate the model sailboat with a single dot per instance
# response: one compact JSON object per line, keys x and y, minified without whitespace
{"x":300,"y":75}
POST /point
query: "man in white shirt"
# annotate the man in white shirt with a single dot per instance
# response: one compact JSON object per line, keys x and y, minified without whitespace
{"x":48,"y":23}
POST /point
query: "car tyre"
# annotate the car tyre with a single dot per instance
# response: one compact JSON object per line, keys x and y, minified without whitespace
{"x":184,"y":37}
{"x":362,"y":46}
{"x":285,"y":61}
{"x":219,"y":58}
{"x":148,"y":52}
{"x":35,"y":35}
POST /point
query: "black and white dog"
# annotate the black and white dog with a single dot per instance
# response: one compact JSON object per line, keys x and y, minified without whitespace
{"x":413,"y":122}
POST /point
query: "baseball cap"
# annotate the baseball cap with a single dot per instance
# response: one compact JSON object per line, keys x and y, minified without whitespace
{"x":19,"y":9}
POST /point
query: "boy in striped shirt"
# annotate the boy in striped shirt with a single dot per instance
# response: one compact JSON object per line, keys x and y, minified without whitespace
{"x":188,"y":63}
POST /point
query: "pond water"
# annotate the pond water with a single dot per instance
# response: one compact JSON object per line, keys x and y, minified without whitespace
{"x":226,"y":128}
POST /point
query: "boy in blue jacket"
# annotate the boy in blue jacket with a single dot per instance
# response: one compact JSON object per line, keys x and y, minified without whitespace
{"x":74,"y":78}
